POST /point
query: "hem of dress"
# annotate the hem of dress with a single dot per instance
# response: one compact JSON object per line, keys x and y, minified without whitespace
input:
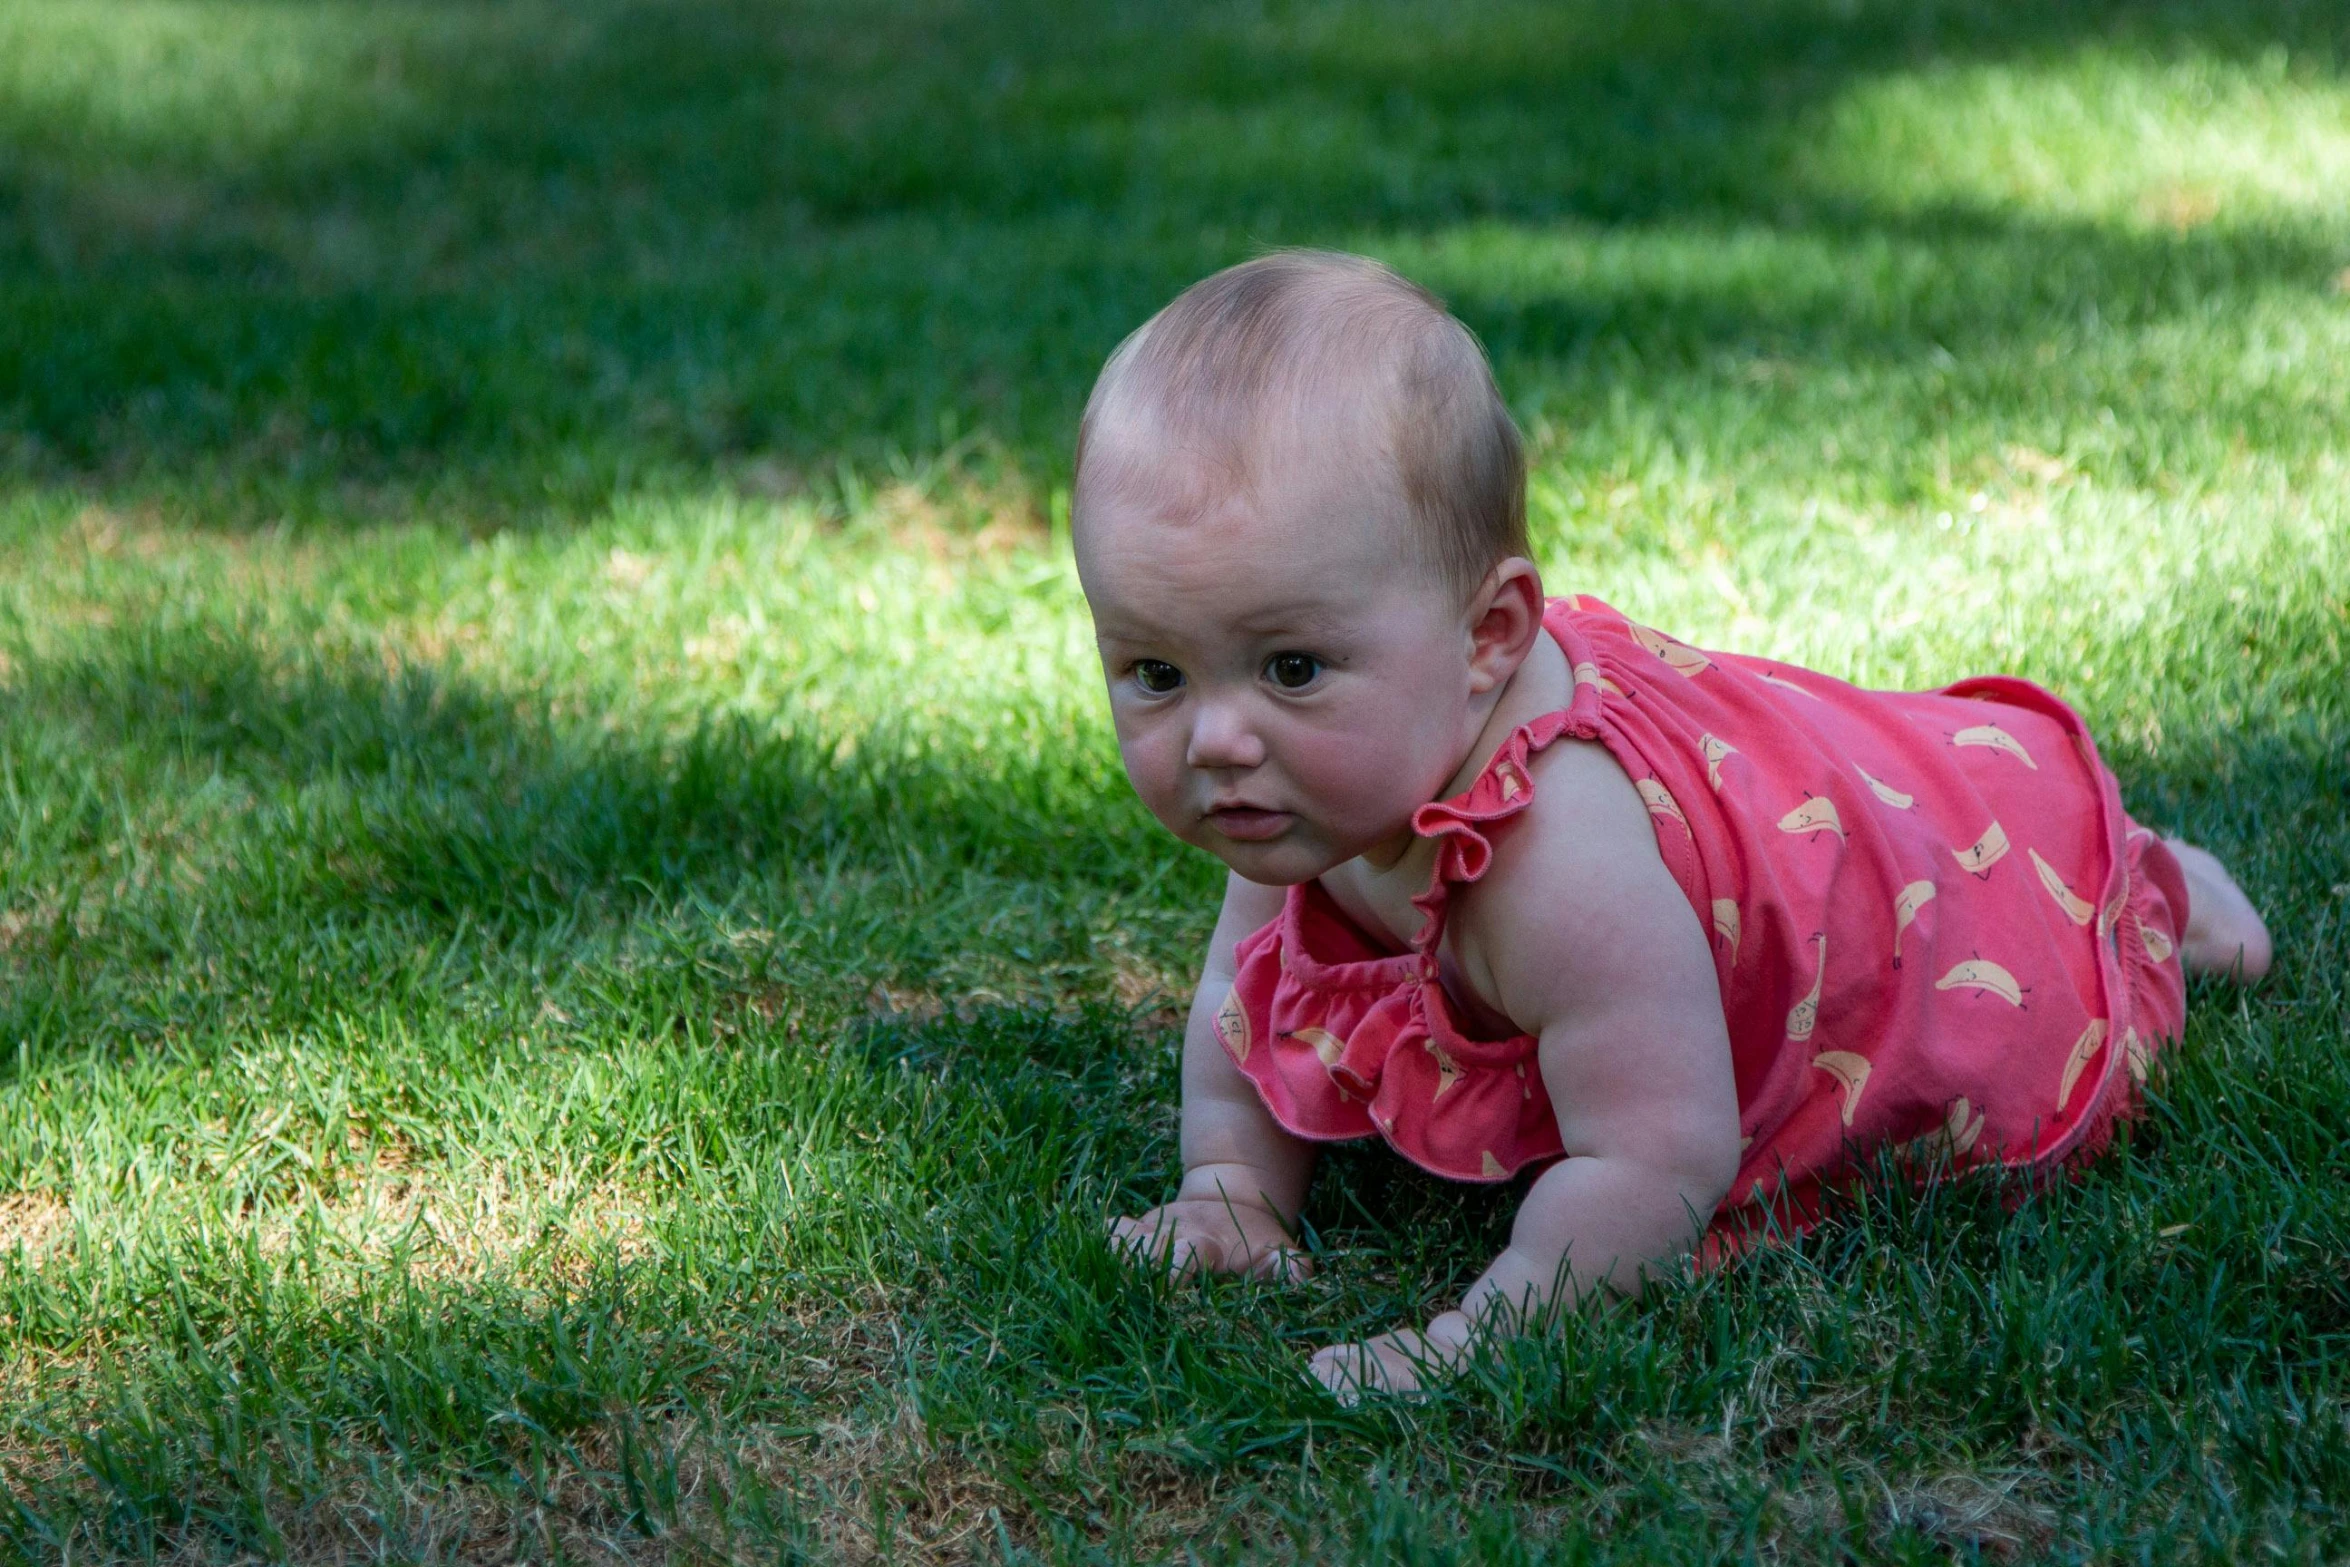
{"x":2120,"y":965}
{"x":1312,"y":1135}
{"x":2155,"y":1012}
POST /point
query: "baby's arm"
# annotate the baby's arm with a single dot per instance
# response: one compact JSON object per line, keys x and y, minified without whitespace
{"x":1243,"y":1176}
{"x":1582,"y":938}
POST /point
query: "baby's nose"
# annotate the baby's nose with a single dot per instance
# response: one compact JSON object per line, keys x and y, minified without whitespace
{"x":1222,"y":737}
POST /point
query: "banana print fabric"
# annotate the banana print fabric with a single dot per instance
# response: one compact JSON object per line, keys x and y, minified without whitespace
{"x":1932,"y":923}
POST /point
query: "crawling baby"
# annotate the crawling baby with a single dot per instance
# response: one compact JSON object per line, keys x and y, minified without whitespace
{"x":1527,"y":888}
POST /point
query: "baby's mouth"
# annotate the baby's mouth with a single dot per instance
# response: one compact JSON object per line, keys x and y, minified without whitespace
{"x":1247,"y":823}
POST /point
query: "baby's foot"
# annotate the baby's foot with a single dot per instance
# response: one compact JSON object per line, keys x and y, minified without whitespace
{"x":2224,"y":933}
{"x":1402,"y":1362}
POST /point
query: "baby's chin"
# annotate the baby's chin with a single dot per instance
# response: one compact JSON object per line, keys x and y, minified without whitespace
{"x":1296,"y":856}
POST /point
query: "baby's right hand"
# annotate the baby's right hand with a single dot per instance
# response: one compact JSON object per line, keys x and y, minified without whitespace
{"x":1217,"y":1234}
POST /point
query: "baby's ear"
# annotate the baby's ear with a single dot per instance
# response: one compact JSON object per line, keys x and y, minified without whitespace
{"x":1505,"y":616}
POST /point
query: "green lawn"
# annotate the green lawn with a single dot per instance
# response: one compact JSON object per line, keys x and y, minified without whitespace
{"x":577,"y":973}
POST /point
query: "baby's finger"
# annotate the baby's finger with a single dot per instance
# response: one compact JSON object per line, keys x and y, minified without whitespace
{"x":1340,"y":1368}
{"x":1141,"y":1240}
{"x":1395,"y":1365}
{"x":1282,"y":1265}
{"x":1188,"y":1254}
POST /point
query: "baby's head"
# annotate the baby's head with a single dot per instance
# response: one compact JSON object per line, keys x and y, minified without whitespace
{"x":1300,"y":522}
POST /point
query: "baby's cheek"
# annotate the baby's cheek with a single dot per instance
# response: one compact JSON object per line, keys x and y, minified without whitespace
{"x":1154,"y":766}
{"x":1346,"y":778}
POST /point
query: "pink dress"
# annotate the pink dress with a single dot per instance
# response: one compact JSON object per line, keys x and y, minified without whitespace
{"x":1932,"y":924}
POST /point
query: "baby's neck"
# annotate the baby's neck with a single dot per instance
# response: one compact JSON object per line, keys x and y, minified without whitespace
{"x":1542,"y":684}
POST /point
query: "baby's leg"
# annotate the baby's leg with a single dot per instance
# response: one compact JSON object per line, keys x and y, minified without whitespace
{"x":2224,"y":933}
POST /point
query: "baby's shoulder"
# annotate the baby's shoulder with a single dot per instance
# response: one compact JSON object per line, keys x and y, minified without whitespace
{"x":1584,"y":849}
{"x":1578,"y":900}
{"x":1585,"y":825}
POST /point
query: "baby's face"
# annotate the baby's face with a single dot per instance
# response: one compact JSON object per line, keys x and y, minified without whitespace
{"x":1288,"y":683}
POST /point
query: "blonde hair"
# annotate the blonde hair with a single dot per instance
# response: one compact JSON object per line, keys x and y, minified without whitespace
{"x":1277,"y":332}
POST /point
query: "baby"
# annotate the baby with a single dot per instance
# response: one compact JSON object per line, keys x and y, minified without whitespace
{"x":1522,"y":886}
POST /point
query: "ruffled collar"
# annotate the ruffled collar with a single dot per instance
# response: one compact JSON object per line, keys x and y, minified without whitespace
{"x":1460,"y":823}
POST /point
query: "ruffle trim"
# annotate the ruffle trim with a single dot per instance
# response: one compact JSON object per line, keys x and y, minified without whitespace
{"x":1506,"y":787}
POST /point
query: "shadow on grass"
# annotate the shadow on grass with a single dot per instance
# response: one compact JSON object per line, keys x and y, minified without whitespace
{"x":499,"y":261}
{"x":438,"y":792}
{"x":212,"y":823}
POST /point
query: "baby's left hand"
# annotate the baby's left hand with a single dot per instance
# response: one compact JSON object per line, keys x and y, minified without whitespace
{"x":1403,"y":1361}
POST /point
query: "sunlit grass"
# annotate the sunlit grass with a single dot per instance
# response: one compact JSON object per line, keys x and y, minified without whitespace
{"x":2097,"y":135}
{"x":576,"y":969}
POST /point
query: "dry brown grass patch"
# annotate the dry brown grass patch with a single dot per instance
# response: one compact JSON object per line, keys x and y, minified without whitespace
{"x":962,"y":515}
{"x":2180,"y":208}
{"x":466,"y":1224}
{"x":33,"y":1223}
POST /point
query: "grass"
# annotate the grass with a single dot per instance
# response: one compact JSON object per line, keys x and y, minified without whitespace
{"x":577,"y":974}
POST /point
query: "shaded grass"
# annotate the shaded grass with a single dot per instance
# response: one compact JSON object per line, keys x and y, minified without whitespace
{"x":576,"y":972}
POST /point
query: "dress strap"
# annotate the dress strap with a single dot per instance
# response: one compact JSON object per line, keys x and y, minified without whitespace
{"x":1460,"y":824}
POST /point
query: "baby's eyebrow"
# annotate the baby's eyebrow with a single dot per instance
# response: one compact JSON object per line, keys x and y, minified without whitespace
{"x":1308,"y":617}
{"x":1128,"y":632}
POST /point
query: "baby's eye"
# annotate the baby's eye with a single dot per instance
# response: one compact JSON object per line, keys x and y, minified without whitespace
{"x":1292,"y":671}
{"x":1157,"y":676}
